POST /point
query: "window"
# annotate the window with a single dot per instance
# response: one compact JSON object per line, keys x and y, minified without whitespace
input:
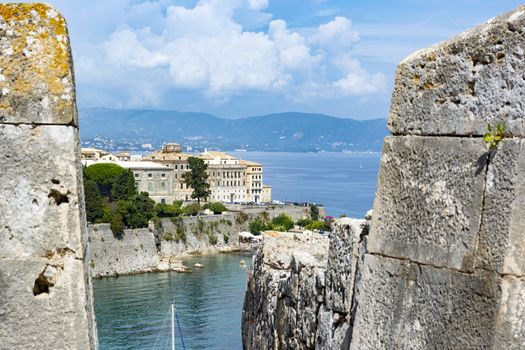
{"x":137,"y":183}
{"x":163,"y":175}
{"x":176,"y":166}
{"x":150,"y":186}
{"x":150,"y":175}
{"x":136,"y":175}
{"x":163,"y":184}
{"x":162,"y":201}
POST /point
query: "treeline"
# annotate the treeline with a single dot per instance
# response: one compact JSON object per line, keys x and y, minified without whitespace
{"x":111,"y":197}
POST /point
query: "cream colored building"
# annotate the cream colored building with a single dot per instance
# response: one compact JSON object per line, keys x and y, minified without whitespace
{"x":151,"y":177}
{"x":170,"y":155}
{"x":160,"y":174}
{"x":254,"y":181}
{"x":97,"y":154}
{"x":266,"y":194}
{"x":227,"y":177}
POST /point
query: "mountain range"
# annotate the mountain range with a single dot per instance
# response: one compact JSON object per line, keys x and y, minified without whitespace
{"x":293,"y":132}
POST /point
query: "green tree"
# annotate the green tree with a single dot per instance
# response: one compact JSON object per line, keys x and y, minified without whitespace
{"x":314,"y":212}
{"x":105,"y":175}
{"x":197,"y":179}
{"x":123,"y":186}
{"x":138,"y":211}
{"x":94,"y":203}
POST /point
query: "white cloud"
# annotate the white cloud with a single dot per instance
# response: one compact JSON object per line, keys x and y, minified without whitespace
{"x":203,"y":48}
{"x":336,"y":35}
{"x":258,"y":4}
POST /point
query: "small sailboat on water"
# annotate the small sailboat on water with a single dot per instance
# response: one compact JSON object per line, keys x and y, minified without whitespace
{"x":174,"y":318}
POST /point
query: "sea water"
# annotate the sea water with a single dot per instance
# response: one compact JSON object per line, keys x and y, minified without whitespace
{"x":133,"y":312}
{"x":345,"y":183}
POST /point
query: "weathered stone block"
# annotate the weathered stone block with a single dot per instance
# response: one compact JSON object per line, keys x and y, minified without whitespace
{"x":53,"y":316}
{"x":510,"y":325}
{"x":285,"y":292}
{"x":406,"y":306}
{"x":459,"y":86}
{"x":36,"y":77}
{"x":343,"y":255}
{"x":39,"y":191}
{"x":429,"y":200}
{"x":501,"y":245}
{"x":333,"y":330}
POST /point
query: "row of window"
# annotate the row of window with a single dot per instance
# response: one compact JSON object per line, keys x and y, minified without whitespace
{"x":150,"y":175}
{"x":150,"y":186}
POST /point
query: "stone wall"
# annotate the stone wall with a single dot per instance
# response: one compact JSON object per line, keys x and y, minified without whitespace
{"x":132,"y":252}
{"x":447,"y":235}
{"x":299,"y":294}
{"x":443,"y":264}
{"x":45,"y":293}
{"x":199,"y":233}
{"x":281,"y":301}
{"x":200,"y":229}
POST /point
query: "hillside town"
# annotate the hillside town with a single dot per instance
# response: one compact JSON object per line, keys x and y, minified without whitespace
{"x":232,"y":180}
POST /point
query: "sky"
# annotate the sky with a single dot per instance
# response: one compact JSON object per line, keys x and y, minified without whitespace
{"x":236,"y":58}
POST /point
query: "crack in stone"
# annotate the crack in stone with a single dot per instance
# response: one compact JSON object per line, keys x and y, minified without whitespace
{"x":421,"y":263}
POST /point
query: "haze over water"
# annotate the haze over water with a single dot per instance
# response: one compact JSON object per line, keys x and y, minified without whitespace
{"x":345,"y":183}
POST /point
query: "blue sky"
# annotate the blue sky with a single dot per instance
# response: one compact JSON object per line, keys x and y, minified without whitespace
{"x":236,"y":58}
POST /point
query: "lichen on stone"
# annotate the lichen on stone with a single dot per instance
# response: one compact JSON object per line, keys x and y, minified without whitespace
{"x":36,"y":61}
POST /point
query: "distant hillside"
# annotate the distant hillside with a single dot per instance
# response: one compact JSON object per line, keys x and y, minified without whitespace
{"x":294,"y":132}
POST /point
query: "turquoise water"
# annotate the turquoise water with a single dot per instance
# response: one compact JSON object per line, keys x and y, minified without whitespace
{"x":132,"y":311}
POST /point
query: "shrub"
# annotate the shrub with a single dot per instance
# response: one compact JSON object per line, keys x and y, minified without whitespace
{"x":314,"y":212}
{"x":192,"y":209}
{"x":226,"y":237}
{"x":116,"y":225}
{"x":282,"y":222}
{"x":304,"y":222}
{"x":215,"y":207}
{"x":256,"y":226}
{"x":318,"y":225}
{"x":181,"y":233}
{"x":212,"y":237}
{"x":241,"y":218}
{"x":495,"y":134}
{"x":168,"y":210}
